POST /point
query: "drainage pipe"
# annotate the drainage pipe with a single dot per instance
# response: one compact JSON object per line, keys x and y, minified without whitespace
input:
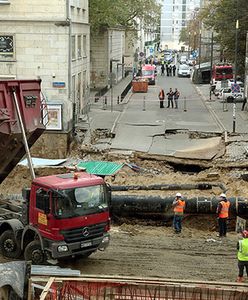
{"x":155,"y":206}
{"x":168,"y":187}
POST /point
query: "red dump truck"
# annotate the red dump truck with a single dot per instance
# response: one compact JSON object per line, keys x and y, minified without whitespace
{"x":60,"y":216}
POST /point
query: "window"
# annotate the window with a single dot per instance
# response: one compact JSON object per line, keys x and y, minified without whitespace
{"x":79,"y":92}
{"x":79,"y":46}
{"x":110,"y":43}
{"x":73,"y":90}
{"x":84,"y":83}
{"x":6,"y":46}
{"x":73,"y":47}
{"x":42,"y":199}
{"x":85,"y":45}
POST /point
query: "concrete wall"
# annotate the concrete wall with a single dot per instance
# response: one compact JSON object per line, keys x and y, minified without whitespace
{"x":117,"y":50}
{"x":99,"y":60}
{"x":106,"y":46}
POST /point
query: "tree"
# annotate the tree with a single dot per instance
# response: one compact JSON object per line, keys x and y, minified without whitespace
{"x":221,"y":16}
{"x":124,"y":13}
{"x":190,"y":35}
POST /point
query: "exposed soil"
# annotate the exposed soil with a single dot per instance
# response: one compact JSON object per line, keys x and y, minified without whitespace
{"x":155,"y":251}
{"x":146,"y":251}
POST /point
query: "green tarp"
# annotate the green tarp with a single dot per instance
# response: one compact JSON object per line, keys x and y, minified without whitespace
{"x":101,"y":168}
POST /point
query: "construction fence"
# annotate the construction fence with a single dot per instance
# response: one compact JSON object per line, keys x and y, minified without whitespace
{"x":131,"y":289}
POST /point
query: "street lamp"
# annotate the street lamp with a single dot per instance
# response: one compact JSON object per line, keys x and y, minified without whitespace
{"x":194,"y":41}
{"x":189,"y":47}
{"x":211,"y":65}
{"x":236,"y":65}
{"x":200,"y":50}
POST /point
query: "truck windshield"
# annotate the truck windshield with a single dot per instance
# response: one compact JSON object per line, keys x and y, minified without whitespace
{"x":81,"y":201}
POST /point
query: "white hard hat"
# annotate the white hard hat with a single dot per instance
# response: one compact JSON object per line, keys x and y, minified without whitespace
{"x":178,"y":195}
{"x":223,"y":195}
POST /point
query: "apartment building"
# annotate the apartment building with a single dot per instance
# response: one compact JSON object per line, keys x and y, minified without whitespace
{"x":174,"y":17}
{"x":49,"y":40}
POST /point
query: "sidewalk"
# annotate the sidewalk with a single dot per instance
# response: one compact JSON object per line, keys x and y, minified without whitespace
{"x":114,"y":95}
{"x":103,"y":115}
{"x":223,"y":114}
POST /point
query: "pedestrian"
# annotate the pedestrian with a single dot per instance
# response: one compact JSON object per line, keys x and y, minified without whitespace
{"x":178,"y":207}
{"x":223,"y":214}
{"x":162,"y":68}
{"x":161,"y":98}
{"x":174,"y":70}
{"x":170,"y":70}
{"x":176,"y":97}
{"x":170,"y":95}
{"x":167,"y":70}
{"x":242,"y":255}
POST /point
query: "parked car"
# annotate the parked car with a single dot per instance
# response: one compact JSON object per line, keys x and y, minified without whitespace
{"x":183,"y":59}
{"x":217,"y":86}
{"x":183,"y":71}
{"x":227,"y":95}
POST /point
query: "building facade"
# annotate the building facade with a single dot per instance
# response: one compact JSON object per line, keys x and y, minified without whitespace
{"x":108,"y":48}
{"x":49,"y":40}
{"x":175,"y":15}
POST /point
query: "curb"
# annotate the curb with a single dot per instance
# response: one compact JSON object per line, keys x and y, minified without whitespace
{"x":212,"y":112}
{"x":125,"y":101}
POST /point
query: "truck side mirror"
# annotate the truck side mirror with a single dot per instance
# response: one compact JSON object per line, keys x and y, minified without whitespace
{"x":108,"y":190}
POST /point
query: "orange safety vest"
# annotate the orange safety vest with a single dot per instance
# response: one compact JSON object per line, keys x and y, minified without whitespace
{"x":224,"y":209}
{"x":161,"y":95}
{"x":180,"y":206}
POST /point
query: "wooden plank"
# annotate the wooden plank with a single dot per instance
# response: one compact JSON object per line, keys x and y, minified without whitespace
{"x":46,"y":288}
{"x":135,"y":280}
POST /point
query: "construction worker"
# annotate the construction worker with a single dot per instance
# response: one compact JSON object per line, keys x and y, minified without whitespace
{"x":223,"y":214}
{"x":178,"y":207}
{"x":242,"y":254}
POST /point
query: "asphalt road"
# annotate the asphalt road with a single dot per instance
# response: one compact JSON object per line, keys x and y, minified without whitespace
{"x":142,"y":124}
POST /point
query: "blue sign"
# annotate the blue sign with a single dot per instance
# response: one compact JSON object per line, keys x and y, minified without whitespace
{"x":151,"y":50}
{"x":59,"y":84}
{"x":235,"y":88}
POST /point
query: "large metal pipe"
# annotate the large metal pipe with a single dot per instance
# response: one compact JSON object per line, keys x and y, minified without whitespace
{"x":143,"y":206}
{"x":169,"y":187}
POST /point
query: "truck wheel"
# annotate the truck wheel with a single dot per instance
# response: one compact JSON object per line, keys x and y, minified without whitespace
{"x":9,"y":247}
{"x":34,"y":253}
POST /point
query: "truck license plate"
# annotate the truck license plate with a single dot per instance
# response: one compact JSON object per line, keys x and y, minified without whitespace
{"x":86,"y":244}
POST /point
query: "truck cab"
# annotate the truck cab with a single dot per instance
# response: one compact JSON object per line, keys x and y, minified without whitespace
{"x":66,"y":215}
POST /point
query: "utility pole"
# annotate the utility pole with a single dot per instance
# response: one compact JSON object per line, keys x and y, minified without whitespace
{"x":200,"y":50}
{"x":189,"y":47}
{"x":211,"y":63}
{"x":236,"y":65}
{"x":111,"y":84}
{"x":194,"y":41}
